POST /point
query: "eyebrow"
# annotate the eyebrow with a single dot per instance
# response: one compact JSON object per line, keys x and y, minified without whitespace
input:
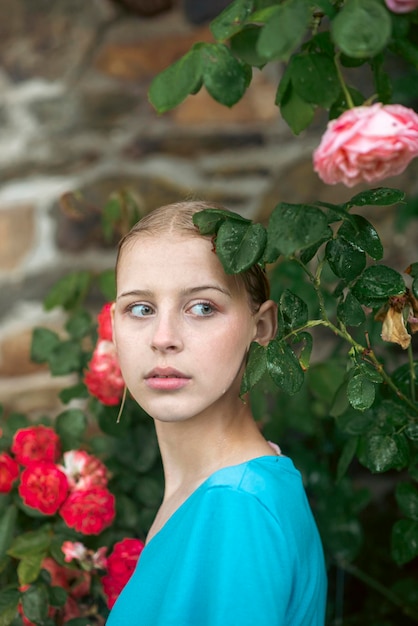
{"x":146,"y":293}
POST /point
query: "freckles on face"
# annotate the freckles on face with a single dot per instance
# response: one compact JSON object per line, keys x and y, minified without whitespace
{"x":177,"y":310}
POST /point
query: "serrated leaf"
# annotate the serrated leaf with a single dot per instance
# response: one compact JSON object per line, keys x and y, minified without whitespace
{"x":295,"y":111}
{"x":404,"y":543}
{"x":79,"y":324}
{"x":240,"y":245}
{"x":71,"y":426}
{"x":284,"y":367}
{"x":345,"y":259}
{"x":407,"y":499}
{"x":7,"y":526}
{"x":377,"y":284}
{"x":381,"y":452}
{"x":232,"y":19}
{"x":29,"y":543}
{"x":294,"y":227}
{"x":315,"y":78}
{"x":69,"y":292}
{"x":9,"y":599}
{"x":35,"y":603}
{"x":44,"y":342}
{"x":347,"y":455}
{"x":284,"y":30}
{"x":171,"y":86}
{"x":361,"y":392}
{"x":208,"y":221}
{"x":29,"y":568}
{"x":244,"y":46}
{"x":363,"y":235}
{"x":255,"y":369}
{"x":350,"y":312}
{"x":225,"y":77}
{"x":293,"y":309}
{"x":362,"y":28}
{"x":381,"y":196}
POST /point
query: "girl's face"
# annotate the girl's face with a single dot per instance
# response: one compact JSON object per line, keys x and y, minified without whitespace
{"x":182,"y":327}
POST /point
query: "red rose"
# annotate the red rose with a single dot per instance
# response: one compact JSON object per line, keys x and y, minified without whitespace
{"x":36,"y":443}
{"x":89,"y":511}
{"x":120,"y":566}
{"x":367,"y":143}
{"x":104,"y":320}
{"x":43,"y":486}
{"x":103,"y":377}
{"x":9,"y":471}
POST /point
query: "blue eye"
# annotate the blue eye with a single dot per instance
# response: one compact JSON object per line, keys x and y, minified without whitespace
{"x":202,"y":309}
{"x":141,"y":310}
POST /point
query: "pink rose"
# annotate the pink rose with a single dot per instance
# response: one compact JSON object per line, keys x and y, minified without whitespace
{"x":120,"y":566}
{"x":75,"y":550}
{"x":103,"y":377}
{"x":89,"y":511}
{"x":401,"y":6}
{"x":104,"y":320}
{"x":43,"y":487}
{"x":367,"y":144}
{"x":9,"y":471}
{"x":84,"y":470}
{"x":36,"y":443}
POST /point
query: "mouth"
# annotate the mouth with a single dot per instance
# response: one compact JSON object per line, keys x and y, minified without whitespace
{"x":166,"y":379}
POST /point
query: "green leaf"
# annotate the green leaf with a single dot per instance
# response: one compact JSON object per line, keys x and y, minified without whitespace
{"x":407,"y":499}
{"x":29,"y":568}
{"x":7,"y":526}
{"x":232,"y":19}
{"x":346,"y":457}
{"x":79,"y":390}
{"x":284,"y":367}
{"x":171,"y":86}
{"x":30,"y":543}
{"x":413,"y":270}
{"x":57,"y":596}
{"x":79,"y":324}
{"x":361,"y":392}
{"x":294,"y":227}
{"x":414,"y":287}
{"x":111,"y":214}
{"x":255,"y":369}
{"x":44,"y":342}
{"x":107,"y":284}
{"x":354,"y":422}
{"x":381,"y":79}
{"x":341,"y":103}
{"x":239,"y":245}
{"x":69,"y":292}
{"x":362,"y":28}
{"x":350,"y":312}
{"x":381,"y":452}
{"x":377,"y":284}
{"x":293,"y":309}
{"x":404,"y":541}
{"x":244,"y":46}
{"x":149,"y":491}
{"x":9,"y":599}
{"x":363,"y":235}
{"x":226,"y":78}
{"x":71,"y":426}
{"x":381,"y":196}
{"x":295,"y":111}
{"x":284,"y":30}
{"x":66,"y":358}
{"x":35,"y":603}
{"x":315,"y":78}
{"x":345,"y":259}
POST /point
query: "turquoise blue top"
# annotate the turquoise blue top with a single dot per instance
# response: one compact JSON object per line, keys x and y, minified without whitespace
{"x":242,"y":550}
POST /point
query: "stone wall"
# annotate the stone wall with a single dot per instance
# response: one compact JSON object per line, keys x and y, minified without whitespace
{"x":74,"y":116}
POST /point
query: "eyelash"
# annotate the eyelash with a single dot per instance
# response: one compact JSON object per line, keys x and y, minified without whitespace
{"x":203,"y":303}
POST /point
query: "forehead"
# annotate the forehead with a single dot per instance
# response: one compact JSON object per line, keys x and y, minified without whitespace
{"x":171,"y":259}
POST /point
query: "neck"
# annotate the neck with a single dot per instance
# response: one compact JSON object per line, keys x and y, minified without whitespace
{"x":192,"y":450}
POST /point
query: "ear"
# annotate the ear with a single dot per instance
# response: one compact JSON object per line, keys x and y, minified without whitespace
{"x":266,"y":323}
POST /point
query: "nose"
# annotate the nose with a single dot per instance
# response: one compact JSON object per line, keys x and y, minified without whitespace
{"x":166,"y":334}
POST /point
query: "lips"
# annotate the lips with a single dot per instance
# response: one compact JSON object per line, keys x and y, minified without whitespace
{"x":166,"y":379}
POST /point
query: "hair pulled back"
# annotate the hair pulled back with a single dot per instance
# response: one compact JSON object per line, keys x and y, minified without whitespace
{"x":177,"y":218}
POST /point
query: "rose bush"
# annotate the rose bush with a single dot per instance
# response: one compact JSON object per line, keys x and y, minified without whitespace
{"x":367,"y":143}
{"x":120,"y":566}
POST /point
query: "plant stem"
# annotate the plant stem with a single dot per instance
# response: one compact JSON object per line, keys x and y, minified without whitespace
{"x":412,"y":372}
{"x":377,"y":586}
{"x":347,"y":94}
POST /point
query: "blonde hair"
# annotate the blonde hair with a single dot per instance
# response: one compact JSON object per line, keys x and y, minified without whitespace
{"x":177,"y":218}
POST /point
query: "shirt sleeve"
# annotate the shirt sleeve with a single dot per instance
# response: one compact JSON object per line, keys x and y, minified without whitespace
{"x":237,"y":567}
